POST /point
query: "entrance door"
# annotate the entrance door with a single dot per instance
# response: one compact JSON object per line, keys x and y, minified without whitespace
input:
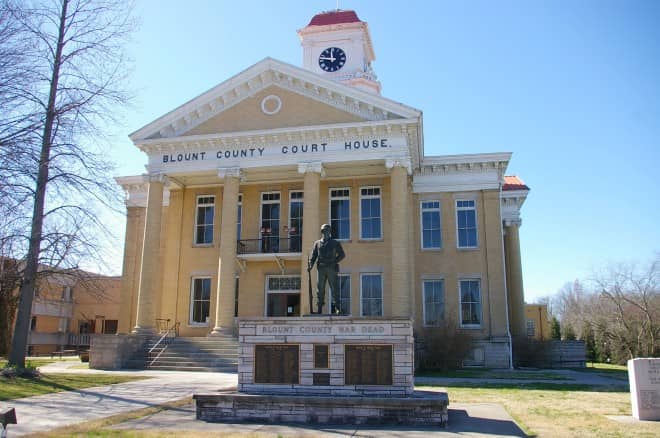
{"x":283,"y":295}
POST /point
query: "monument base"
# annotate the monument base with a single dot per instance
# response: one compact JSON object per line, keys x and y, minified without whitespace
{"x":421,"y":408}
{"x":325,"y":369}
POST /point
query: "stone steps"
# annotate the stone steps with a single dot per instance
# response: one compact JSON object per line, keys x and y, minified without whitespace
{"x":216,"y":354}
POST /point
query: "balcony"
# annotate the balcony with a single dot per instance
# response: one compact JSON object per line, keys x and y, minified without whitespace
{"x":270,"y":248}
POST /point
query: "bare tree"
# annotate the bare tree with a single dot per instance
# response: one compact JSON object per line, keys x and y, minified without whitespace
{"x":627,"y":309}
{"x":56,"y":169}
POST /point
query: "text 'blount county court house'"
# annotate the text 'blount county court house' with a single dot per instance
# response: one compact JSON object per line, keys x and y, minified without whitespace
{"x":241,"y":178}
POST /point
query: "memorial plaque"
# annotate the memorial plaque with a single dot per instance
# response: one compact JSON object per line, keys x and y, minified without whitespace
{"x":320,"y":356}
{"x":277,"y":364}
{"x":368,"y":364}
{"x":321,"y":379}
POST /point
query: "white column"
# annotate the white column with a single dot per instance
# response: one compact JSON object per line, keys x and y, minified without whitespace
{"x":224,"y":303}
{"x":399,"y":238}
{"x":145,"y":320}
{"x":312,"y":172}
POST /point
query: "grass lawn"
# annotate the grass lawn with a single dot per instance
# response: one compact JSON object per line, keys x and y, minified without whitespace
{"x":494,"y":374}
{"x":47,"y":383}
{"x":562,"y":410}
{"x":619,"y":372}
{"x":36,"y":363}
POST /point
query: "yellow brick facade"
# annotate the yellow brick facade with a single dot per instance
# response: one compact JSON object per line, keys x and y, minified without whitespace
{"x":275,"y":128}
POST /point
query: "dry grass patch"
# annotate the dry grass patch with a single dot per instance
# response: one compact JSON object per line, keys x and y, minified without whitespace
{"x":560,"y":410}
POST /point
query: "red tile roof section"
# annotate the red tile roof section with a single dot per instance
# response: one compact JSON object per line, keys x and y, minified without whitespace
{"x":513,"y":182}
{"x":334,"y":17}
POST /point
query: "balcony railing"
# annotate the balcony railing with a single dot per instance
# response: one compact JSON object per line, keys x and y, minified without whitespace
{"x":270,"y":245}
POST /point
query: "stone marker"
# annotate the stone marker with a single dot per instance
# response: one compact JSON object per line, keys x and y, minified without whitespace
{"x":644,"y":375}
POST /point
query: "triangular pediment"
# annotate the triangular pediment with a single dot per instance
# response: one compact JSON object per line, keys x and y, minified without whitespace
{"x":271,"y":108}
{"x":269,"y":95}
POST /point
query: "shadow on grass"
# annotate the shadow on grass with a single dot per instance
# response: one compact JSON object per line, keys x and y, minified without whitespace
{"x":564,"y":387}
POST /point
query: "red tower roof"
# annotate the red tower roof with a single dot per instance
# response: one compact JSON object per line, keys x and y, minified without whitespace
{"x":334,"y":17}
{"x":514,"y":182}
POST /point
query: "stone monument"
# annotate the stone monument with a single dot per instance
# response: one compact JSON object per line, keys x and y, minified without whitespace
{"x":326,"y":369}
{"x":644,"y":376}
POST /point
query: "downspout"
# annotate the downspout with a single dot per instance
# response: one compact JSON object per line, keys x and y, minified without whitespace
{"x":506,"y":288}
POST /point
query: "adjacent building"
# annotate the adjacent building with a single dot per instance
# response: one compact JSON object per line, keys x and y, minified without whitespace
{"x":240,"y":179}
{"x":68,"y":311}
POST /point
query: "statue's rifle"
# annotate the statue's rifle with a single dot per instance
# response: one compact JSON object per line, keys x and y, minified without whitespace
{"x":309,"y":284}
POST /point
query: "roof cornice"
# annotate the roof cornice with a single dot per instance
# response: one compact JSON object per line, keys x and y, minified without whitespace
{"x":261,"y":75}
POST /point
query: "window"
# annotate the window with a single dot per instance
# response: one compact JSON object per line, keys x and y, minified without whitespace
{"x":340,"y":213}
{"x":531,"y":328}
{"x":239,"y":217}
{"x":236,"y":289}
{"x":67,"y":294}
{"x":371,"y":286}
{"x":295,"y":221}
{"x":204,"y":220}
{"x":283,"y":295}
{"x":434,"y":302}
{"x":470,"y":291}
{"x":344,"y":295}
{"x":466,"y":224}
{"x":110,"y":326}
{"x":430,"y":224}
{"x":370,"y":223}
{"x":270,"y":222}
{"x":200,"y":301}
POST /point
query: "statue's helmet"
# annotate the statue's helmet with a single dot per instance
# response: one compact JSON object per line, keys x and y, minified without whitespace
{"x":325,"y":227}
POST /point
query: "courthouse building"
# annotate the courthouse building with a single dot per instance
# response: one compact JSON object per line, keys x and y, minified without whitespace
{"x":240,"y":179}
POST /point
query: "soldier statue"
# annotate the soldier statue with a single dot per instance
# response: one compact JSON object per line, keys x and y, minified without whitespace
{"x":327,"y":254}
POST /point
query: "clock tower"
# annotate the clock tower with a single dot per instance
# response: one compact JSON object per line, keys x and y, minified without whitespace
{"x":336,"y":44}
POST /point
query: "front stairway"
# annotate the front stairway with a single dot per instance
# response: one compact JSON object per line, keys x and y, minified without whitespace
{"x":212,"y":354}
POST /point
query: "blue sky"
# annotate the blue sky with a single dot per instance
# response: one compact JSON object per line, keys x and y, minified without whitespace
{"x":572,"y":88}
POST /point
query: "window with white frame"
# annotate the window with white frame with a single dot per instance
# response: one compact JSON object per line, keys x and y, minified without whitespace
{"x":270,"y":222}
{"x":296,"y":204}
{"x":370,"y":213}
{"x":344,"y":295}
{"x":239,"y":217}
{"x":204,"y":220}
{"x":340,"y":213}
{"x":466,"y":223}
{"x":470,"y":294}
{"x":200,"y":300}
{"x":434,"y":302}
{"x":371,"y":289}
{"x":531,"y":328}
{"x":430,"y":224}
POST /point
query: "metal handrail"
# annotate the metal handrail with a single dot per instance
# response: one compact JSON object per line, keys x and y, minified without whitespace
{"x":269,"y":245}
{"x":172,"y":330}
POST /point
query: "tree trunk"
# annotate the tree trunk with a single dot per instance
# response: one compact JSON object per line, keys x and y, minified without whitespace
{"x":28,"y":287}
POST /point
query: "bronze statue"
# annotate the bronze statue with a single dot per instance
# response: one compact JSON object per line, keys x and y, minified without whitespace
{"x":327,"y":254}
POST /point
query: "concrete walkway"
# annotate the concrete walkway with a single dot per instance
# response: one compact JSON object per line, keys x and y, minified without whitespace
{"x":45,"y":412}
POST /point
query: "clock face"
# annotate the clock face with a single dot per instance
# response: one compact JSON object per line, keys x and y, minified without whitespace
{"x":332,"y":59}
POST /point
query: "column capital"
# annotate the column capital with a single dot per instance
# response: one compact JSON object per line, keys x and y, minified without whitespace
{"x":399,"y":162}
{"x":510,"y":222}
{"x":232,"y":172}
{"x":157,"y":177}
{"x":311,"y":166}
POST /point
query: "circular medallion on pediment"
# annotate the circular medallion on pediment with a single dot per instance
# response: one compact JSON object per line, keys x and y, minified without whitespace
{"x":271,"y":104}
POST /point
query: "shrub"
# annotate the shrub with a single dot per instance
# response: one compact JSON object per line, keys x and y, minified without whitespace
{"x":442,"y":348}
{"x":528,"y":352}
{"x":29,"y":372}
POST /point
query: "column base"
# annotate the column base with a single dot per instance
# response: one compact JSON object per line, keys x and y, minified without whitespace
{"x":143,"y":331}
{"x":221,"y":331}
